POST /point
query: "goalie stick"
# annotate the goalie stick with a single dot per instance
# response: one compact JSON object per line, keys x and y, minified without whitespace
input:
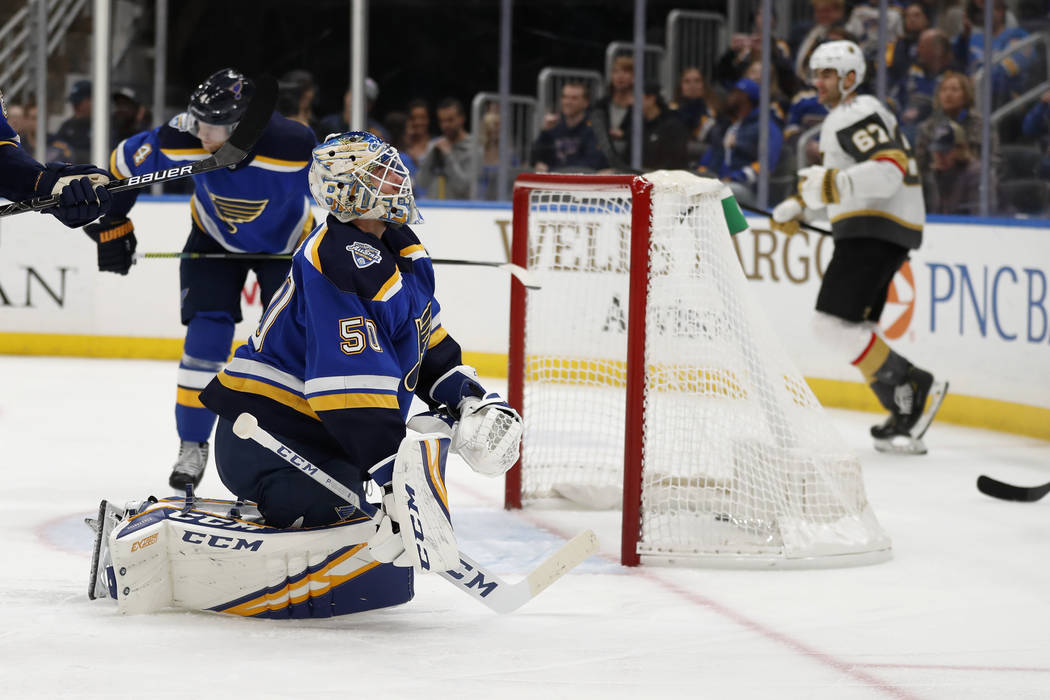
{"x":471,"y":577}
{"x":516,"y":271}
{"x":243,"y":138}
{"x":1008,"y":492}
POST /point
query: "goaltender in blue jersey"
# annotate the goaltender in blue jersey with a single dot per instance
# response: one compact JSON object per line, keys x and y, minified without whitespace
{"x":330,"y":374}
{"x":261,"y":205}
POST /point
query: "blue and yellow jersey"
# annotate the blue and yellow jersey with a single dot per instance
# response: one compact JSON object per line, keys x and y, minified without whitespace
{"x":346,"y":342}
{"x":18,"y":171}
{"x":260,"y":206}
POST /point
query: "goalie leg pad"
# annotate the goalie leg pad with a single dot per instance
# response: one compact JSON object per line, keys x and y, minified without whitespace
{"x":420,"y":503}
{"x":171,"y":555}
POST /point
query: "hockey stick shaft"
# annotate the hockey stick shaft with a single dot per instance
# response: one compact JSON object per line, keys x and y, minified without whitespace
{"x":518,"y":272}
{"x":471,"y":577}
{"x":803,"y":224}
{"x":243,"y":138}
{"x":1008,"y":492}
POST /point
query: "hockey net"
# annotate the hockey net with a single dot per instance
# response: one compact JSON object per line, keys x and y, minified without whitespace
{"x":649,"y":379}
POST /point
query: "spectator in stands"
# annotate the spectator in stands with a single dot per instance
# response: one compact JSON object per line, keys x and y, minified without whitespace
{"x":952,"y":185}
{"x":954,"y":100}
{"x":570,"y":144}
{"x":695,"y":110}
{"x":734,"y":156}
{"x":1036,"y":126}
{"x":297,"y":96}
{"x":72,"y":142}
{"x":904,"y":52}
{"x":417,"y":129}
{"x":804,"y":113}
{"x":664,"y":137}
{"x":611,"y":116}
{"x":1009,"y":75}
{"x":488,"y":172}
{"x":745,"y":49}
{"x":445,"y":171}
{"x":863,"y":23}
{"x":914,"y":95}
{"x":826,"y":13}
{"x":339,"y":122}
{"x":129,"y":115}
{"x":397,"y":124}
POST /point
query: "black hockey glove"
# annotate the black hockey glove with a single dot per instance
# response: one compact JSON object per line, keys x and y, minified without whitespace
{"x":116,"y":244}
{"x":81,"y":196}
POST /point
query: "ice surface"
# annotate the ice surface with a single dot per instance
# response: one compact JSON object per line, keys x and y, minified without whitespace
{"x":961,"y":611}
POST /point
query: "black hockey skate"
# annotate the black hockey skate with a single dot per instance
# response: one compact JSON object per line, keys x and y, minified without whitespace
{"x":910,"y":416}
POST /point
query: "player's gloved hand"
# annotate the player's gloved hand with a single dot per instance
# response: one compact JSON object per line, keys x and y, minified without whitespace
{"x":785,"y":215}
{"x":819,"y":186}
{"x":116,"y":244}
{"x":81,"y":195}
{"x":488,"y":435}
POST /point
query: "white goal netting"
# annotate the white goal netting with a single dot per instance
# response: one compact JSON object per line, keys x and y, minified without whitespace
{"x":739,"y":461}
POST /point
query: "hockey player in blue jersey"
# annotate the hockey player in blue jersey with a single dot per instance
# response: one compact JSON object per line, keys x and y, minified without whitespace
{"x":261,"y":205}
{"x":353,"y":334}
{"x":81,"y":197}
{"x":351,"y":337}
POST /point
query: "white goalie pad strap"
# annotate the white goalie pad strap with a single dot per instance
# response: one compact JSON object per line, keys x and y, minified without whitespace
{"x":488,"y":435}
{"x":169,"y":556}
{"x":420,"y":503}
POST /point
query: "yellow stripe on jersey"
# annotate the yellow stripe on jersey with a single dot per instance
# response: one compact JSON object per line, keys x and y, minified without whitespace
{"x":314,"y":246}
{"x":409,"y":250}
{"x":113,"y":165}
{"x":8,"y":143}
{"x":337,"y":402}
{"x":436,"y":336}
{"x":259,"y":388}
{"x":390,"y":285}
{"x":188,"y":397}
{"x":184,"y":152}
{"x":278,"y":161}
{"x":876,"y":213}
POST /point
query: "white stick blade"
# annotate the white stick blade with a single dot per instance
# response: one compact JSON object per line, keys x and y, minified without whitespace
{"x":245,"y":426}
{"x":563,"y":561}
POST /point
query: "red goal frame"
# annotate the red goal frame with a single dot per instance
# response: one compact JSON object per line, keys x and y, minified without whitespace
{"x":641,"y":222}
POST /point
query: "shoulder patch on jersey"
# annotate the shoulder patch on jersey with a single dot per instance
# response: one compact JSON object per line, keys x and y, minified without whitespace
{"x":364,"y":254}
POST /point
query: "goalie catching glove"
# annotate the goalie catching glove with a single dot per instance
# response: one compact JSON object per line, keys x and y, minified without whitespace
{"x":486,"y":432}
{"x":819,"y":186}
{"x":415,"y":528}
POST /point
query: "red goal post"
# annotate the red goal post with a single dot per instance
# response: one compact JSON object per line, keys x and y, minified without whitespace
{"x":647,"y":377}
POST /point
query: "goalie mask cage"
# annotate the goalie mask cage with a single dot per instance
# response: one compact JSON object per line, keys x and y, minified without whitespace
{"x":647,"y":376}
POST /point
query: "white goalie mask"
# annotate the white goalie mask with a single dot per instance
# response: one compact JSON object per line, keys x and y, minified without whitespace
{"x":842,"y":57}
{"x":357,"y":176}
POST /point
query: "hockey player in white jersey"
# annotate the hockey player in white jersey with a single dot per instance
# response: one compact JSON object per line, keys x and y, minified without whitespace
{"x":870,"y":186}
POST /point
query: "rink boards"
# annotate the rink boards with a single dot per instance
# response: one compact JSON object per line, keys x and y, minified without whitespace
{"x":973,"y":304}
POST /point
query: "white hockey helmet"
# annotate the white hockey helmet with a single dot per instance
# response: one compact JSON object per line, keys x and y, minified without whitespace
{"x":842,"y":57}
{"x":357,"y":176}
